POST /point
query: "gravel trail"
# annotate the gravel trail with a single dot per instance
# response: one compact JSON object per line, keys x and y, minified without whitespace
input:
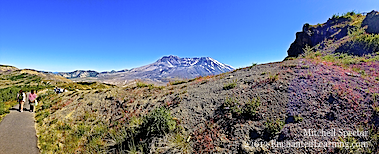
{"x":18,"y":133}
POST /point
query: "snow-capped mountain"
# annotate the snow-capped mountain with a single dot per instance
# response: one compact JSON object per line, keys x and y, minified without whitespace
{"x":173,"y":66}
{"x":164,"y":68}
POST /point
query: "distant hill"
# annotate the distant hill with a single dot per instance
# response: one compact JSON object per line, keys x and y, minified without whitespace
{"x":7,"y":68}
{"x":85,"y":73}
{"x":79,"y":74}
{"x":164,"y":69}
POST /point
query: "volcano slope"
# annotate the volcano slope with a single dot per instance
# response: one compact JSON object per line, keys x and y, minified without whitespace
{"x":226,"y":113}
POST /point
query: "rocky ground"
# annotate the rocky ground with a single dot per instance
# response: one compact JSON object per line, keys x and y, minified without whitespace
{"x":230,"y":112}
{"x":323,"y":96}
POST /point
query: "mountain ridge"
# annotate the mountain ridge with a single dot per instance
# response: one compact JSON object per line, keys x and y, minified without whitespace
{"x":167,"y":67}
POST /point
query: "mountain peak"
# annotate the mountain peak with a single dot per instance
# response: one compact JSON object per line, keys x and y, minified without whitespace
{"x":167,"y":58}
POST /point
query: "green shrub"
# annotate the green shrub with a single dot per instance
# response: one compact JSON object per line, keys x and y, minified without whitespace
{"x":251,"y":107}
{"x":298,"y":118}
{"x":273,"y":78}
{"x":81,"y":129}
{"x":138,"y":134}
{"x":253,"y":64}
{"x":233,"y":105}
{"x":151,"y":86}
{"x":238,"y":108}
{"x":64,"y":126}
{"x":9,"y":93}
{"x":141,"y":85}
{"x":230,"y":86}
{"x":158,"y":123}
{"x":3,"y":110}
{"x":274,"y":127}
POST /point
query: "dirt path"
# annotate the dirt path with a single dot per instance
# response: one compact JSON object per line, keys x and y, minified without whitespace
{"x":18,"y":133}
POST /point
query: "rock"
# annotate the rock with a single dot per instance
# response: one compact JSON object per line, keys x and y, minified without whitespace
{"x":372,"y":22}
{"x":312,"y":36}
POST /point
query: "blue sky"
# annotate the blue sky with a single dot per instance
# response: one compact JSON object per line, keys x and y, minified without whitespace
{"x":104,"y":35}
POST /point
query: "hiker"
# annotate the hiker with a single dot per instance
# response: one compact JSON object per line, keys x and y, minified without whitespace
{"x":32,"y":101}
{"x":21,"y":98}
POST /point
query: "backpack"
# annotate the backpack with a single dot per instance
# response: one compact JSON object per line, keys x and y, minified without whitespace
{"x":20,"y":96}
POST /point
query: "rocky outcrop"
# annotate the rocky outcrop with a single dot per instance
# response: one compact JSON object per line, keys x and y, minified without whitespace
{"x":335,"y":28}
{"x":314,"y":35}
{"x":372,"y":22}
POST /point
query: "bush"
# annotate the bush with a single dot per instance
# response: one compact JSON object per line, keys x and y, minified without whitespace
{"x":273,"y":78}
{"x":238,"y":108}
{"x":253,"y":64}
{"x":138,"y":134}
{"x":273,"y":127}
{"x":141,"y":85}
{"x":3,"y":109}
{"x":230,"y":86}
{"x":158,"y":123}
{"x":251,"y":107}
{"x":233,"y":105}
{"x":9,"y":93}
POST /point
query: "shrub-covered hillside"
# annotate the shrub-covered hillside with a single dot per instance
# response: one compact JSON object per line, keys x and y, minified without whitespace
{"x":12,"y":80}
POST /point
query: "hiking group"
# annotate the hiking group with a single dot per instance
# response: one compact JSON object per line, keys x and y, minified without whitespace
{"x":59,"y":90}
{"x":31,"y":98}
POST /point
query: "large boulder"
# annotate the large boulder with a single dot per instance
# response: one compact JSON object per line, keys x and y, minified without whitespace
{"x":372,"y":22}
